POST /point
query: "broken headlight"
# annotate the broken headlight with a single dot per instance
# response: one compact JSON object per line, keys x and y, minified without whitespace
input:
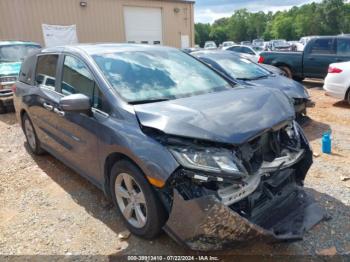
{"x":212,"y":160}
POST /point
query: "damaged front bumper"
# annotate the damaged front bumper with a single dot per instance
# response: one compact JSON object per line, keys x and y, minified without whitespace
{"x":269,"y":203}
{"x":206,"y":224}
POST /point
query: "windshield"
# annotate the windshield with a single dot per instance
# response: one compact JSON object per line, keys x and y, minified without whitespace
{"x":153,"y":75}
{"x":16,"y":53}
{"x":242,"y":69}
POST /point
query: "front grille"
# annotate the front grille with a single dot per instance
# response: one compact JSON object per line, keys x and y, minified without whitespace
{"x":8,"y":79}
{"x":264,"y":148}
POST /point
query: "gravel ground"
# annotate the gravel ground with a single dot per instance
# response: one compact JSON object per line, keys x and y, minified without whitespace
{"x":47,"y":209}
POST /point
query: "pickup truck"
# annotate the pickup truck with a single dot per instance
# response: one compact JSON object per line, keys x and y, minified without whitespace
{"x":12,"y":54}
{"x":313,"y":62}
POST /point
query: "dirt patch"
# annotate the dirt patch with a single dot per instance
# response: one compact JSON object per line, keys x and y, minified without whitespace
{"x":46,"y":208}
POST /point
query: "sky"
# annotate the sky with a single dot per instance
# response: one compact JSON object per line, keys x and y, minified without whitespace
{"x":207,"y":11}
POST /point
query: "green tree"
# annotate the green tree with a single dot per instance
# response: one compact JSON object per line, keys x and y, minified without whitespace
{"x":329,"y":17}
{"x":218,"y":34}
{"x":282,"y":27}
{"x":202,"y":32}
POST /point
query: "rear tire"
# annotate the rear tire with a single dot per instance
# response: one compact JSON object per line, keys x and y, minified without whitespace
{"x":32,"y":138}
{"x":127,"y":182}
{"x":287,"y":70}
{"x":348,"y":96}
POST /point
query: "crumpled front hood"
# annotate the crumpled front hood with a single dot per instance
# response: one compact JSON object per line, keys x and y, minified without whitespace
{"x":290,"y":87}
{"x":9,"y":69}
{"x":232,"y":116}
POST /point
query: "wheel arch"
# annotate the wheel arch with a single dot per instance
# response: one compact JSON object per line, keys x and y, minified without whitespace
{"x":280,"y":64}
{"x":110,"y":160}
{"x":21,"y":114}
{"x":347,"y":94}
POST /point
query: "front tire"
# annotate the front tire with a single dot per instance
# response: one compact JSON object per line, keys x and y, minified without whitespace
{"x":32,"y":138}
{"x":136,"y":201}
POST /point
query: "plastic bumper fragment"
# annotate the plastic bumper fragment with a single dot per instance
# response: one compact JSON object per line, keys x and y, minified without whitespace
{"x":206,"y":224}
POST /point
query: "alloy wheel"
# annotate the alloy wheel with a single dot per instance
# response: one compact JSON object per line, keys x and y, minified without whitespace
{"x":29,"y":130}
{"x":131,"y":200}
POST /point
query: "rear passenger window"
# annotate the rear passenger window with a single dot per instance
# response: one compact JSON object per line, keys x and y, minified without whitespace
{"x":27,"y":70}
{"x":46,"y":71}
{"x":322,"y":46}
{"x":343,"y":46}
{"x":77,"y":79}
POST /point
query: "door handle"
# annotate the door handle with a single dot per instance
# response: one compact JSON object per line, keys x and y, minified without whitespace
{"x":58,"y":112}
{"x":339,"y":60}
{"x":48,"y":107}
{"x":311,"y":58}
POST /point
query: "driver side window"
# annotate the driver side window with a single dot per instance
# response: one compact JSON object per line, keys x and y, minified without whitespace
{"x":77,"y":79}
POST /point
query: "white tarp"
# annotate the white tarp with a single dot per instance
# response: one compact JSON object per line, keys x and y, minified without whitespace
{"x":56,"y":35}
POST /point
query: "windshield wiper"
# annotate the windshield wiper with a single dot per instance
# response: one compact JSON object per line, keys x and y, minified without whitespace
{"x":252,"y":79}
{"x":261,"y":77}
{"x":147,"y":101}
{"x":244,"y":79}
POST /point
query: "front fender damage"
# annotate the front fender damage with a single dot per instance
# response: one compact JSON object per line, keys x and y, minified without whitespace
{"x":206,"y":224}
{"x":270,"y":205}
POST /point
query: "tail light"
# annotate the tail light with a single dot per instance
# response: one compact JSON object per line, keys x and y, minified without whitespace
{"x":261,"y":59}
{"x":13,"y":87}
{"x":334,"y":70}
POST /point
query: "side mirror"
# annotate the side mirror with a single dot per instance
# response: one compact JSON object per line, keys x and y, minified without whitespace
{"x":75,"y":103}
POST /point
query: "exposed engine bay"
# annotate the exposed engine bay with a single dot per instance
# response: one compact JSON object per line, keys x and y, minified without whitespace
{"x":260,"y":189}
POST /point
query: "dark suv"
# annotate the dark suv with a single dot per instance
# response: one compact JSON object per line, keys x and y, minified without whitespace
{"x":173,"y":144}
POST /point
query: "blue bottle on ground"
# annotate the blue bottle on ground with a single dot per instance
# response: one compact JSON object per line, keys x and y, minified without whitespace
{"x":326,"y":143}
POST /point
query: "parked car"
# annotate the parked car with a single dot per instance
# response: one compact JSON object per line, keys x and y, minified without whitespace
{"x":227,"y":44}
{"x":337,"y":82}
{"x":258,"y":43}
{"x":210,"y":45}
{"x":248,"y":43}
{"x":248,"y":51}
{"x":12,"y":54}
{"x":313,"y":62}
{"x":245,"y":72}
{"x":190,"y":49}
{"x":279,"y":45}
{"x":165,"y":136}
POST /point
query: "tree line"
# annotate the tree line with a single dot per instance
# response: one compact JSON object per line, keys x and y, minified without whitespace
{"x":329,"y":17}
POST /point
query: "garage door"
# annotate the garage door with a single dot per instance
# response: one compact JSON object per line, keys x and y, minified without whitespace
{"x":143,"y":25}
